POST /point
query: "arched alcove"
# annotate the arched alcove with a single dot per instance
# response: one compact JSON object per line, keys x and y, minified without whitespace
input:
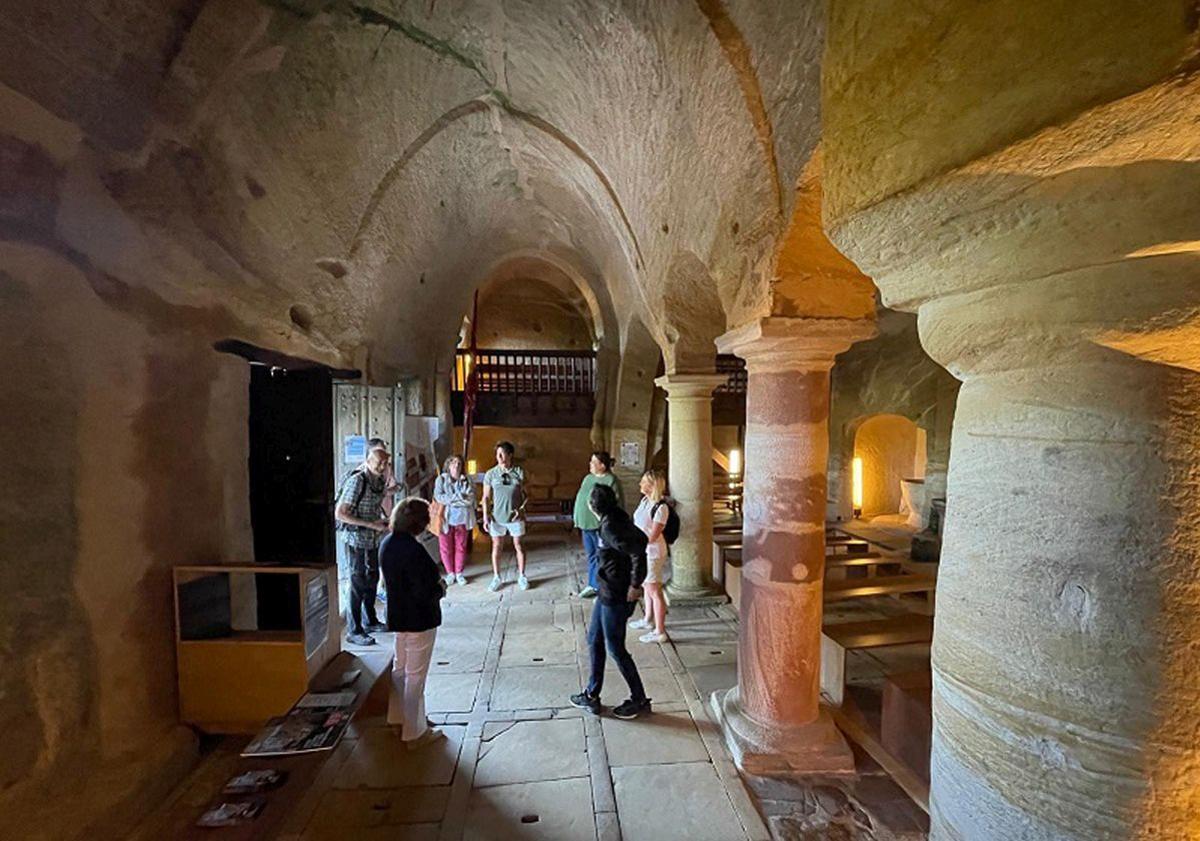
{"x":891,"y":452}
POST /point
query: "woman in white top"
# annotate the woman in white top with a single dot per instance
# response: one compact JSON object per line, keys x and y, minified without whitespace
{"x":651,"y":517}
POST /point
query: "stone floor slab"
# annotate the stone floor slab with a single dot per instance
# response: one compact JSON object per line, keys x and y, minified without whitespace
{"x":381,"y":760}
{"x":531,"y":751}
{"x":347,"y":810}
{"x":706,"y":654}
{"x":386,"y":832}
{"x":458,"y":650}
{"x":710,"y":679}
{"x":681,"y":802}
{"x":559,"y":810}
{"x":450,"y":692}
{"x":549,"y":647}
{"x":660,"y":684}
{"x":532,"y":687}
{"x":655,"y":739}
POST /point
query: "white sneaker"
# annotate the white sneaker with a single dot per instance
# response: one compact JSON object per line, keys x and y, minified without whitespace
{"x":462,"y":579}
{"x":653,"y":636}
{"x":430,"y":735}
{"x":523,"y":582}
{"x":640,"y":624}
{"x":496,"y":583}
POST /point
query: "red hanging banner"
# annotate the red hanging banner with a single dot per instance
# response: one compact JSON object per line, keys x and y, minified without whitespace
{"x":471,"y":388}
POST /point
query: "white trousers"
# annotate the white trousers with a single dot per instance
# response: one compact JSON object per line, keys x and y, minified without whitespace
{"x":406,"y":705}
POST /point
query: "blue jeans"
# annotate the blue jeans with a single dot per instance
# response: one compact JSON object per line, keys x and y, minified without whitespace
{"x":608,"y":629}
{"x":591,"y":547}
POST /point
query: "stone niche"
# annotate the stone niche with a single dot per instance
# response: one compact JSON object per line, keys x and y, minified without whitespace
{"x":889,"y":377}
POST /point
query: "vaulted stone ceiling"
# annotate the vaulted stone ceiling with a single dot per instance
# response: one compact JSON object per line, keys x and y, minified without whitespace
{"x":364,"y":165}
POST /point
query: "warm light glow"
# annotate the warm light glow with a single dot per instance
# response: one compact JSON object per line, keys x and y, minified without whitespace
{"x":735,"y":462}
{"x":1190,"y":246}
{"x":472,"y":467}
{"x":856,"y":496}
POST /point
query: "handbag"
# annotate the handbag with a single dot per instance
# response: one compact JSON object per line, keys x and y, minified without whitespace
{"x":437,"y":514}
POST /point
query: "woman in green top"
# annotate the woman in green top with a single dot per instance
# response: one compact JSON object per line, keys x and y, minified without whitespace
{"x":599,"y":473}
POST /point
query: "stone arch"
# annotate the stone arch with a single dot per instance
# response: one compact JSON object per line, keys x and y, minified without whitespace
{"x":452,"y":116}
{"x":691,"y":315}
{"x":585,"y":285}
{"x":634,"y":410}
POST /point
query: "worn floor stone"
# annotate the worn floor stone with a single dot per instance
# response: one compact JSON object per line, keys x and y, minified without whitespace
{"x":535,"y":648}
{"x":528,"y":687}
{"x":699,"y":808}
{"x":531,"y":751}
{"x":449,"y":692}
{"x":558,"y":810}
{"x":381,"y":760}
{"x":660,"y":684}
{"x":655,"y":739}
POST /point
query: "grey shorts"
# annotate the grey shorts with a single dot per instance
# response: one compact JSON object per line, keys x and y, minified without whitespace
{"x":516,"y":528}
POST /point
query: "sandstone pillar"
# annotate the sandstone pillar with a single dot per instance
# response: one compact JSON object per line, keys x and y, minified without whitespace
{"x":690,"y":444}
{"x":1059,"y":282}
{"x":772,"y":719}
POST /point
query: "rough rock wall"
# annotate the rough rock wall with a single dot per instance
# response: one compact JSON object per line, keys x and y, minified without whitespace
{"x":1033,"y":62}
{"x":527,"y":314}
{"x":125,"y":447}
{"x":890,"y":374}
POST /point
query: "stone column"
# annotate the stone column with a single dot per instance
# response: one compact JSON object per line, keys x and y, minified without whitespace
{"x":690,"y":445}
{"x":1059,"y":282}
{"x":772,"y":719}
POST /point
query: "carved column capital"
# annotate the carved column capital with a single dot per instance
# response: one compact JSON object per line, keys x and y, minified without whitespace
{"x":778,"y":344}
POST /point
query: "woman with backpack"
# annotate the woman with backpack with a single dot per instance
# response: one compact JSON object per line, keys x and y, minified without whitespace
{"x":653,"y":516}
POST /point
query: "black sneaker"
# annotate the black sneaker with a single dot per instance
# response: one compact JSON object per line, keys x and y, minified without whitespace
{"x":376,"y":628}
{"x":632,"y":708}
{"x":360,"y":639}
{"x":586,"y":702}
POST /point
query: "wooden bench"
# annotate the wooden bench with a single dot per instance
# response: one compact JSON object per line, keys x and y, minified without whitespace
{"x":906,"y":721}
{"x":858,"y":559}
{"x":838,"y":547}
{"x":836,"y":640}
{"x":889,"y":585}
{"x":554,"y":511}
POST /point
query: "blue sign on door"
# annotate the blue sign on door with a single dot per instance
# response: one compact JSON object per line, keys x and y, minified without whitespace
{"x":354,"y":449}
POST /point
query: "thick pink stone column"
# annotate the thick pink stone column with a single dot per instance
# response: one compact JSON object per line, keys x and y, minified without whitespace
{"x":772,"y":720}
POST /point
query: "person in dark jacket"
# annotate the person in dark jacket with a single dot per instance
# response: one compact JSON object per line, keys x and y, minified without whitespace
{"x":622,"y":570}
{"x":414,"y":613}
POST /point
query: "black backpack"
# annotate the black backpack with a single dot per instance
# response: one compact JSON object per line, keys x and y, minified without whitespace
{"x":670,"y":531}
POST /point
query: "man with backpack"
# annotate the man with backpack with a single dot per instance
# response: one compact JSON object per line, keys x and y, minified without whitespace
{"x":361,"y":526}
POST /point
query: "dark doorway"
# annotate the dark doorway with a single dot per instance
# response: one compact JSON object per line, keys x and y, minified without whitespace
{"x":291,"y":441}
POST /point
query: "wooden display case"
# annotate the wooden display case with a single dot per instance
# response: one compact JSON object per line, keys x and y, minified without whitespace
{"x":249,"y":638}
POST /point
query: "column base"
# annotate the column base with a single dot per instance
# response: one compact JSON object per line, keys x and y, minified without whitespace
{"x":814,"y":748}
{"x":695,"y":598}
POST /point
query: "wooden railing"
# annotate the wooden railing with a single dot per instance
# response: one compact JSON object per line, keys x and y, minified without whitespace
{"x":527,"y":371}
{"x":735,"y":368}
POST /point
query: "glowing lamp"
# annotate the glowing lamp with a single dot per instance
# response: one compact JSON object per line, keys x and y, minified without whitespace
{"x":856,"y":494}
{"x":735,"y":462}
{"x":472,"y":467}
